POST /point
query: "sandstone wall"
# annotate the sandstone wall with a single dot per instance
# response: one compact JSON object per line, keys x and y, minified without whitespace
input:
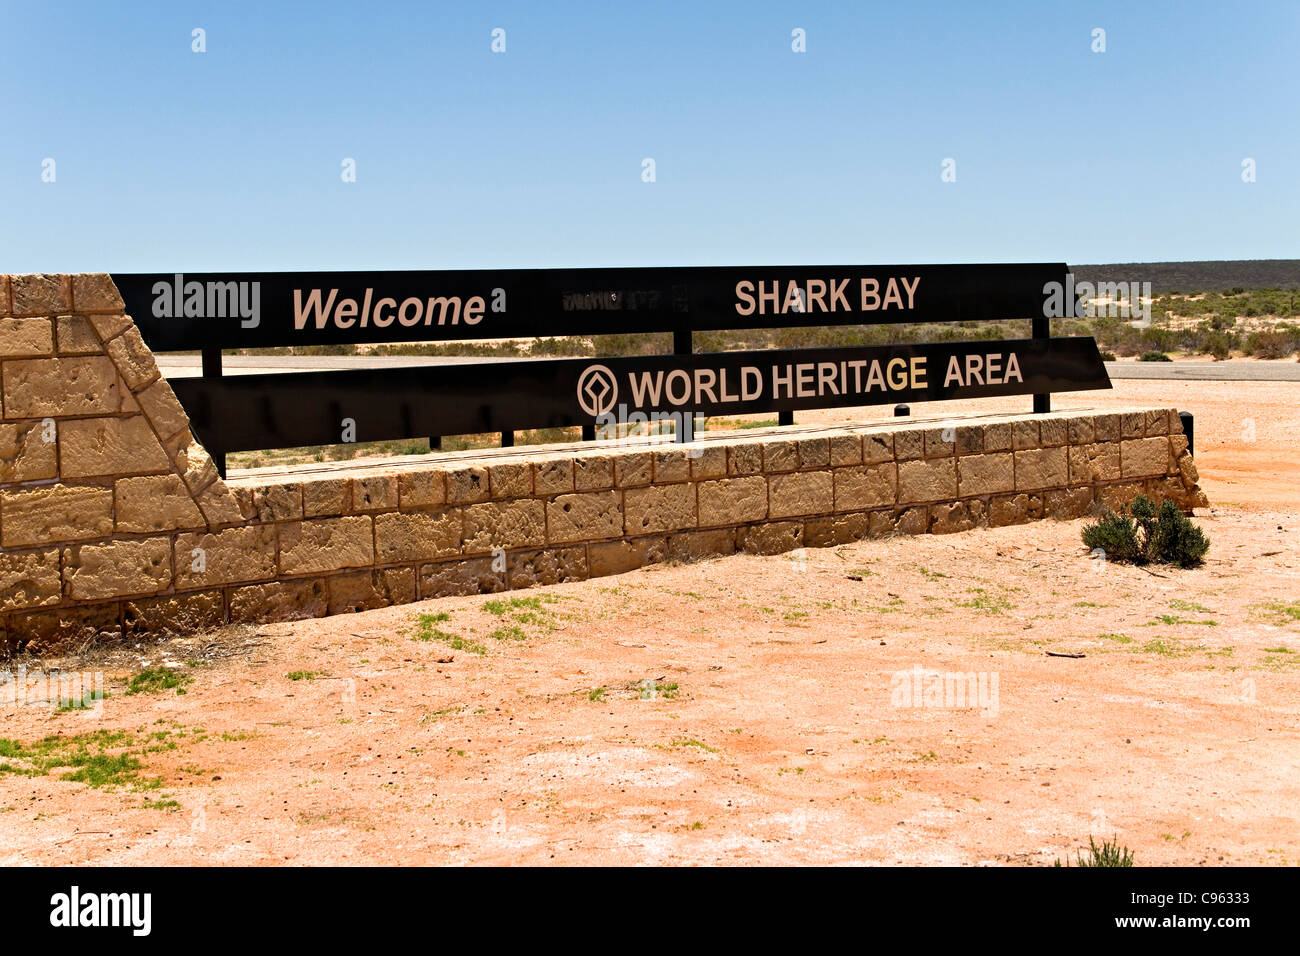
{"x":113,"y":520}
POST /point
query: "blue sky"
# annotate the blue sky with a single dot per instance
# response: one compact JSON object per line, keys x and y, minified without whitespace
{"x":230,"y":159}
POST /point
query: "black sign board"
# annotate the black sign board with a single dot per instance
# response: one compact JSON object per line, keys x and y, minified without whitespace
{"x":179,"y":311}
{"x":210,"y":312}
{"x":315,"y":408}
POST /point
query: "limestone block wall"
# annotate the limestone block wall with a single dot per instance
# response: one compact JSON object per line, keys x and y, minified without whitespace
{"x":113,"y":520}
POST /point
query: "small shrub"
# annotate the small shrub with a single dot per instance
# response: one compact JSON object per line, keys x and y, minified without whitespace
{"x":1175,"y":540}
{"x":1154,"y":357}
{"x":1108,"y":854}
{"x":1144,"y":534}
{"x":1116,"y":535}
{"x":1107,"y":356}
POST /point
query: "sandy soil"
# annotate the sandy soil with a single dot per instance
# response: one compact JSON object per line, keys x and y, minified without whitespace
{"x":742,"y":710}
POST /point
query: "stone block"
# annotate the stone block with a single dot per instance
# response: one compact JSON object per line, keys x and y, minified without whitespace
{"x":814,"y":453}
{"x":689,"y":546}
{"x":41,"y":294}
{"x":1024,"y":435}
{"x":922,"y":481}
{"x":322,"y":498}
{"x":326,"y":544}
{"x":163,"y":409}
{"x":526,"y":569}
{"x":61,"y":387}
{"x":421,"y":489}
{"x":617,"y":557}
{"x":1144,"y":457}
{"x":466,"y":485}
{"x":117,"y":569}
{"x":986,"y":474}
{"x":95,"y":292}
{"x":135,"y":363}
{"x":24,"y":338}
{"x":803,"y":493}
{"x":66,"y":628}
{"x":192,"y":461}
{"x":708,"y":462}
{"x":220,"y":506}
{"x":1014,"y":509}
{"x":593,"y":473}
{"x":1090,"y":464}
{"x":845,"y":450}
{"x":1082,"y":431}
{"x":504,"y":524}
{"x":745,"y":458}
{"x":940,"y":442}
{"x":780,"y":455}
{"x":279,"y":601}
{"x":1157,"y":422}
{"x":92,"y":447}
{"x":659,"y":508}
{"x":773,"y":537}
{"x":372,"y":493}
{"x":951,"y":517}
{"x":411,"y":536}
{"x":367,"y":590}
{"x":586,"y":516}
{"x":835,"y":530}
{"x":729,"y":501}
{"x":877,"y":448}
{"x":25,"y":455}
{"x":108,"y":326}
{"x":1066,"y":504}
{"x":1107,"y":427}
{"x":1053,"y":432}
{"x":865,"y":486}
{"x":41,"y":516}
{"x":909,"y":443}
{"x":970,"y":439}
{"x":278,"y":502}
{"x":29,"y":579}
{"x":176,"y":614}
{"x":1038,"y":468}
{"x":157,"y":503}
{"x":633,"y":470}
{"x":73,"y":335}
{"x":461,"y":577}
{"x":212,"y":559}
{"x":670,"y":465}
{"x":510,"y":479}
{"x":553,"y":477}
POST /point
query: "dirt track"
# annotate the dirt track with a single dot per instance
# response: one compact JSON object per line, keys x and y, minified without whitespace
{"x":743,"y":710}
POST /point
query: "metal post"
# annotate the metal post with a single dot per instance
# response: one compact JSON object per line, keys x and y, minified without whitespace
{"x":901,"y":411}
{"x":211,"y":362}
{"x":785,"y":418}
{"x":682,"y":345}
{"x":1042,"y":330}
{"x":1188,"y":429}
{"x":508,"y":439}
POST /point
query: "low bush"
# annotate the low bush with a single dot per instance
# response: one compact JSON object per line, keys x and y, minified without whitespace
{"x":1145,"y":534}
{"x":1154,"y":357}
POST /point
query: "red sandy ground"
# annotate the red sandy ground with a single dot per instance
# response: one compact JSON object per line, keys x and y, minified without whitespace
{"x":780,"y":743}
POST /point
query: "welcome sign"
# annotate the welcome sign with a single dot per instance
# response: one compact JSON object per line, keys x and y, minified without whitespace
{"x":211,"y":312}
{"x":250,"y":310}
